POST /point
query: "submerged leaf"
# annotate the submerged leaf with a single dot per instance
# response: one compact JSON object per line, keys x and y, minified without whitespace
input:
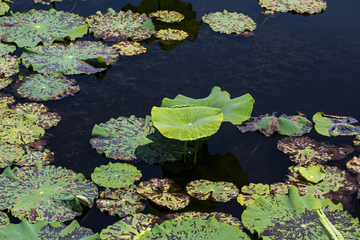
{"x":330,"y":125}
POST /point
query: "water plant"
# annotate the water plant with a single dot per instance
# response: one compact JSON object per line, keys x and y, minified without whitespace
{"x":299,"y":6}
{"x":129,"y":48}
{"x":167,"y":16}
{"x":331,"y":125}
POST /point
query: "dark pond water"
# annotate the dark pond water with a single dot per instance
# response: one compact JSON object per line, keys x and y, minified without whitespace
{"x":293,"y":63}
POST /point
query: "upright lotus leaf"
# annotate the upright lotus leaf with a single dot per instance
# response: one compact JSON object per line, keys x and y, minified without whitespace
{"x":299,"y":6}
{"x":118,"y":138}
{"x":171,"y":34}
{"x":33,"y":157}
{"x":249,"y":193}
{"x":4,"y":8}
{"x":234,"y":110}
{"x":292,"y":217}
{"x":9,"y":65}
{"x":6,"y":48}
{"x":332,"y":126}
{"x":45,"y":87}
{"x":4,"y":219}
{"x":9,"y":154}
{"x":313,"y":174}
{"x":167,"y":16}
{"x":116,"y":175}
{"x":215,"y":191}
{"x":130,"y":227}
{"x":121,"y":202}
{"x":164,"y":192}
{"x":119,"y":26}
{"x":187,"y":123}
{"x":42,"y":193}
{"x":78,"y":57}
{"x":46,"y":26}
{"x":229,"y":22}
{"x":354,"y":165}
{"x":194,"y":229}
{"x":128,"y":48}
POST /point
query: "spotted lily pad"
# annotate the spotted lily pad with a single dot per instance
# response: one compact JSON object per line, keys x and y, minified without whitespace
{"x":330,"y":125}
{"x":356,"y":142}
{"x":313,"y":174}
{"x":229,"y":22}
{"x":128,"y":48}
{"x":299,"y":6}
{"x":167,"y":16}
{"x":164,"y":192}
{"x":9,"y":154}
{"x":171,"y":34}
{"x":6,"y":48}
{"x":45,"y":87}
{"x":4,"y":82}
{"x":44,"y":193}
{"x":9,"y":65}
{"x":354,"y":165}
{"x":249,"y":193}
{"x":121,"y":202}
{"x":215,"y":191}
{"x":4,"y":219}
{"x":4,"y":8}
{"x":116,"y":175}
{"x":119,"y":26}
{"x":33,"y":157}
{"x":78,"y":57}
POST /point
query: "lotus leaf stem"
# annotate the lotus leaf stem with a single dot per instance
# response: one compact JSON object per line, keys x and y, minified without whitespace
{"x":185,"y":143}
{"x":328,"y":227}
{"x":196,"y":148}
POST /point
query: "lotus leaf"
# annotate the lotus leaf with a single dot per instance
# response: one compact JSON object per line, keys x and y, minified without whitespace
{"x":354,"y":165}
{"x":9,"y":65}
{"x":118,"y":138}
{"x":122,"y":202}
{"x":45,"y":87}
{"x":38,"y":113}
{"x":33,"y":157}
{"x":330,"y":125}
{"x":215,"y":191}
{"x":188,"y":123}
{"x":35,"y":26}
{"x":6,"y":48}
{"x":128,"y":48}
{"x":229,"y":22}
{"x":4,"y":8}
{"x":167,"y":16}
{"x":130,"y":227}
{"x":4,"y":219}
{"x":234,"y":110}
{"x":47,"y":2}
{"x":313,"y":174}
{"x":119,"y":26}
{"x":292,"y":217}
{"x":171,"y":34}
{"x":17,"y":129}
{"x":299,"y":6}
{"x":116,"y":175}
{"x":9,"y":154}
{"x":164,"y":192}
{"x":78,"y":57}
{"x":356,"y":142}
{"x":5,"y":101}
{"x":249,"y":193}
{"x":4,"y":82}
{"x":44,"y":193}
{"x":194,"y":229}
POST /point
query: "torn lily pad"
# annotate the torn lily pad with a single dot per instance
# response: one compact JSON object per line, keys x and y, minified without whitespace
{"x":269,"y":124}
{"x":9,"y":154}
{"x":35,"y":26}
{"x":299,"y":6}
{"x":31,"y":158}
{"x":128,"y":48}
{"x":78,"y":57}
{"x":167,"y":16}
{"x":6,"y":48}
{"x":331,"y":125}
{"x":120,"y":202}
{"x":116,"y":175}
{"x":249,"y":193}
{"x":9,"y":65}
{"x":354,"y":165}
{"x":229,"y":22}
{"x":45,"y":87}
{"x":164,"y":192}
{"x":215,"y":191}
{"x":119,"y":26}
{"x":171,"y":34}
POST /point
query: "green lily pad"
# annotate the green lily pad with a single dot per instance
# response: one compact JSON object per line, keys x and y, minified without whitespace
{"x":249,"y":193}
{"x":78,"y":57}
{"x":171,"y":34}
{"x":33,"y":157}
{"x":187,"y":123}
{"x":5,"y":101}
{"x":234,"y":110}
{"x":164,"y":192}
{"x":128,"y":48}
{"x":299,"y":6}
{"x":4,"y":219}
{"x":9,"y":65}
{"x":4,"y":82}
{"x":6,"y":48}
{"x":45,"y":87}
{"x":120,"y":202}
{"x":354,"y":165}
{"x":44,"y":193}
{"x":119,"y":26}
{"x":4,"y":8}
{"x":330,"y":125}
{"x":9,"y":154}
{"x":167,"y":16}
{"x":116,"y":175}
{"x":292,"y":217}
{"x":313,"y":174}
{"x":215,"y":191}
{"x":130,"y":227}
{"x":35,"y":26}
{"x":229,"y":22}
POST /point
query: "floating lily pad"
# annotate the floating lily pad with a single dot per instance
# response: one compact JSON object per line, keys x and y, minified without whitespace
{"x":121,"y":202}
{"x":119,"y":26}
{"x":234,"y":110}
{"x":215,"y":191}
{"x":229,"y":22}
{"x":313,"y":174}
{"x":44,"y":193}
{"x":167,"y":16}
{"x":78,"y":57}
{"x":9,"y":65}
{"x":116,"y":175}
{"x":285,"y":125}
{"x":33,"y":157}
{"x":4,"y":8}
{"x":5,"y":101}
{"x":299,"y":6}
{"x":292,"y":217}
{"x":35,"y":26}
{"x":249,"y":193}
{"x":128,"y":48}
{"x":171,"y":34}
{"x":4,"y":219}
{"x":356,"y":142}
{"x":9,"y":154}
{"x":4,"y":82}
{"x":164,"y":192}
{"x":45,"y":87}
{"x":6,"y":48}
{"x":330,"y":125}
{"x":130,"y":227}
{"x":354,"y":165}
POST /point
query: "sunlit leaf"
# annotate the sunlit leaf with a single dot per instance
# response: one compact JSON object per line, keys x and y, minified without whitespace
{"x":9,"y":154}
{"x":330,"y":125}
{"x":167,"y":16}
{"x":249,"y":193}
{"x":313,"y":174}
{"x":128,"y":48}
{"x":4,"y":8}
{"x":353,"y":165}
{"x":9,"y":65}
{"x":171,"y":34}
{"x":299,"y":6}
{"x":4,"y":219}
{"x":33,"y":157}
